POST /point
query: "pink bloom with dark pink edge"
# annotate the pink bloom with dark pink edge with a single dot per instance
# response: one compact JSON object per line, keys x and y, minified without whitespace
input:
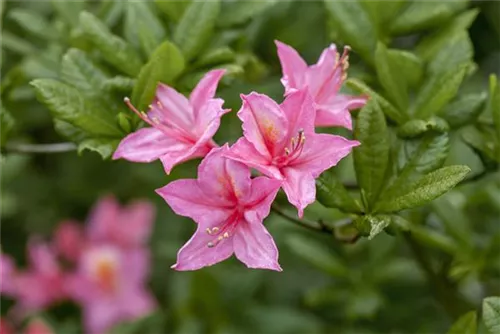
{"x":181,"y":129}
{"x":323,"y":81}
{"x":42,"y":283}
{"x":229,"y":208}
{"x":280,"y":142}
{"x":110,"y":286}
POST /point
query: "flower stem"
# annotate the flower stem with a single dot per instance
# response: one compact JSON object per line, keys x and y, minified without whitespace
{"x":40,"y":148}
{"x":317,"y":226}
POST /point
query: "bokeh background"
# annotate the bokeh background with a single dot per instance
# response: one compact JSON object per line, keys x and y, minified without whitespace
{"x":327,"y":285}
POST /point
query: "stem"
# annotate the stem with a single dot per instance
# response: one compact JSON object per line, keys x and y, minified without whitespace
{"x":41,"y":148}
{"x":312,"y":225}
{"x":442,"y":289}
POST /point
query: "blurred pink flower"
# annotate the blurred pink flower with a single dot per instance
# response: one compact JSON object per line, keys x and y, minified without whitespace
{"x":110,"y":286}
{"x":41,"y":284}
{"x":181,"y":129}
{"x":7,"y":275}
{"x":229,"y":208}
{"x":38,"y":326}
{"x":323,"y":81}
{"x":279,"y":141}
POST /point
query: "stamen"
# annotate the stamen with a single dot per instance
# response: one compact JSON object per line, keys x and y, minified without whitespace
{"x":297,"y":145}
{"x":287,"y":151}
{"x":224,"y":231}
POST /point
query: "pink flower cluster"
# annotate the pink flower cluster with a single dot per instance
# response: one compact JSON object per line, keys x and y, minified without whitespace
{"x":102,"y":267}
{"x":279,"y":141}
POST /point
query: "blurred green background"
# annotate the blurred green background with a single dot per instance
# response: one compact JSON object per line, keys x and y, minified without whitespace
{"x":327,"y":285}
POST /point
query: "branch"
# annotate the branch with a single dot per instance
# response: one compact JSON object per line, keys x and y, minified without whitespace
{"x":317,"y":226}
{"x":40,"y":148}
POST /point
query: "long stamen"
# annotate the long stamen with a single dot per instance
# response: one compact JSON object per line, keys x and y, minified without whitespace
{"x":223,"y":232}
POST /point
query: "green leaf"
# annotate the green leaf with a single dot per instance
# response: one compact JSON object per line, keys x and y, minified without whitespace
{"x":354,"y":26}
{"x":424,"y":190}
{"x":68,"y":104}
{"x":69,"y":131}
{"x":215,"y":57}
{"x":483,"y":140}
{"x":457,"y":51}
{"x":165,"y":65}
{"x":491,"y":314}
{"x":455,"y":221}
{"x":464,"y":110}
{"x":438,"y":91}
{"x":466,"y":324}
{"x":239,"y":12}
{"x":69,"y":10}
{"x":104,"y":146}
{"x":385,"y":105}
{"x":382,"y":12}
{"x":318,"y":255}
{"x":119,"y":83}
{"x":79,"y":71}
{"x":196,"y":27}
{"x":141,"y":27}
{"x":430,"y":45}
{"x":372,"y":156}
{"x":409,"y":66}
{"x":114,"y":49}
{"x":173,"y":9}
{"x":331,"y":193}
{"x":6,"y":125}
{"x":494,"y":105}
{"x":391,"y":77}
{"x":34,"y":23}
{"x":420,"y":15}
{"x":378,"y":224}
{"x":418,"y":127}
{"x":18,"y":45}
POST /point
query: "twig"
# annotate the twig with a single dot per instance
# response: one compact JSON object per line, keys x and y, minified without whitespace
{"x":312,"y":225}
{"x":40,"y":148}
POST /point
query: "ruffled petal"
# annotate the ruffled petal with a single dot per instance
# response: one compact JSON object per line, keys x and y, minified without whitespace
{"x":325,"y":77}
{"x":299,"y":187}
{"x":205,"y":90}
{"x":299,"y":110}
{"x":172,"y":108}
{"x":337,"y":111}
{"x":293,"y":67}
{"x":262,"y":194}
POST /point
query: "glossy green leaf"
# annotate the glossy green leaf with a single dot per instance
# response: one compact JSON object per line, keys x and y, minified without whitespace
{"x":372,"y":156}
{"x":69,"y":131}
{"x":409,"y":65}
{"x":105,"y":147}
{"x":141,"y":27}
{"x":457,"y":51}
{"x":6,"y":125}
{"x":491,"y":314}
{"x":317,"y":255}
{"x":354,"y":26}
{"x":34,"y":23}
{"x":69,"y":10}
{"x":68,"y":104}
{"x":196,"y":27}
{"x":483,"y":140}
{"x":464,"y":110}
{"x":438,"y":91}
{"x":424,"y":190}
{"x":391,"y":77}
{"x":173,"y":9}
{"x":238,"y":12}
{"x":466,"y":324}
{"x":119,"y":83}
{"x":382,"y":12}
{"x":114,"y":49}
{"x":385,"y":105}
{"x":418,"y":127}
{"x":78,"y":70}
{"x":421,"y":15}
{"x":331,"y":193}
{"x":215,"y":57}
{"x":165,"y":65}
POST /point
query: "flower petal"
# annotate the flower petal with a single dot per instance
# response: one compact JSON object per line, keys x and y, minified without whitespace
{"x":146,"y":145}
{"x":103,"y":219}
{"x":69,"y":240}
{"x":243,"y":151}
{"x":7,"y":275}
{"x":222,"y":177}
{"x":42,"y":257}
{"x":293,"y":67}
{"x":299,"y":187}
{"x":210,"y":112}
{"x":135,"y":223}
{"x":336,"y":112}
{"x":325,"y":77}
{"x":205,"y":90}
{"x":172,"y":108}
{"x":196,"y":254}
{"x":258,"y":201}
{"x":323,"y":151}
{"x":264,"y":124}
{"x":186,"y":198}
{"x":255,"y":247}
{"x":299,"y":110}
{"x":100,"y":315}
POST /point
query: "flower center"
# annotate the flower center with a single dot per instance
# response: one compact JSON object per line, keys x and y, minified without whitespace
{"x":224,"y":230}
{"x":102,"y":266}
{"x":106,"y":275}
{"x":293,"y":151}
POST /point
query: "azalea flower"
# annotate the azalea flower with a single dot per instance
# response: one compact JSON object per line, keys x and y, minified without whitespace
{"x":35,"y":326}
{"x":181,"y":129}
{"x":7,"y":275}
{"x":279,"y":141}
{"x":229,"y":208}
{"x":323,"y":81}
{"x":41,"y":284}
{"x":110,"y":285}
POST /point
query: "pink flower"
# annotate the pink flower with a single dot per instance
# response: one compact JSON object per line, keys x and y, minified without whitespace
{"x":38,"y":326}
{"x":7,"y":275}
{"x":42,"y":283}
{"x":323,"y":81}
{"x":110,"y":286}
{"x":229,"y":208}
{"x":181,"y":129}
{"x":279,"y":141}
